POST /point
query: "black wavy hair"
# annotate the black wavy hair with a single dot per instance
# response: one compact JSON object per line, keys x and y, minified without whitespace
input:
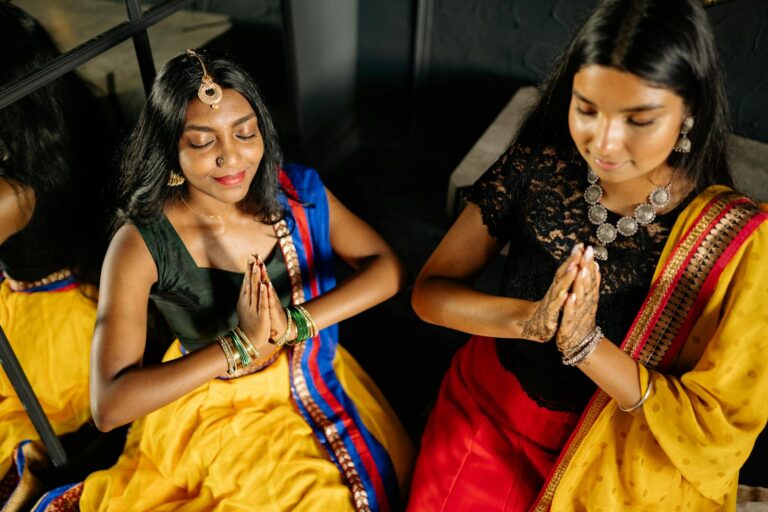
{"x":667,"y":43}
{"x":151,"y":151}
{"x":57,"y":142}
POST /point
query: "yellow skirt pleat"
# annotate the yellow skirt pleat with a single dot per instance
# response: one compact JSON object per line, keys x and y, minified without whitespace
{"x":240,"y":445}
{"x":50,"y":332}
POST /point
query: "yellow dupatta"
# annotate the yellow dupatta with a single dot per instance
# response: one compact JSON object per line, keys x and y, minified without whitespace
{"x":684,"y":448}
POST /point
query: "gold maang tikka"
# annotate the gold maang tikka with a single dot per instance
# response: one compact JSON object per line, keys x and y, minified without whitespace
{"x":209,"y":91}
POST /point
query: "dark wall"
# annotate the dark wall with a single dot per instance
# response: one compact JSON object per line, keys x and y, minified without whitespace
{"x":481,"y":51}
{"x":384,"y":67}
{"x":742,"y":34}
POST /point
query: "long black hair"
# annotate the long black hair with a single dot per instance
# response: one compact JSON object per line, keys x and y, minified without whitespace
{"x":667,"y":43}
{"x":151,"y":152}
{"x":56,"y":142}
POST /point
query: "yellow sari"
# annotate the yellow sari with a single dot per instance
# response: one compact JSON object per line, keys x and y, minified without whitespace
{"x":701,"y":337}
{"x":50,"y":332}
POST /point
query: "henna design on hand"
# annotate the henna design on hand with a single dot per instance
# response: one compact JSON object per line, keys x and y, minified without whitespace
{"x":580,"y":320}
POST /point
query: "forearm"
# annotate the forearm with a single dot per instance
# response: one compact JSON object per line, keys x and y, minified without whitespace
{"x":139,"y":390}
{"x":376,"y":279}
{"x":614,"y":372}
{"x":453,"y":304}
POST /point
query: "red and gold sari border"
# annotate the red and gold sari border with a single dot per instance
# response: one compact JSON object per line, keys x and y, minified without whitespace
{"x":690,"y":263}
{"x":307,"y":382}
{"x":697,"y":260}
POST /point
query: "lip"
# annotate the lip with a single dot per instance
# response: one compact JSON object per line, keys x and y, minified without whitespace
{"x":608,"y":165}
{"x":231,"y":179}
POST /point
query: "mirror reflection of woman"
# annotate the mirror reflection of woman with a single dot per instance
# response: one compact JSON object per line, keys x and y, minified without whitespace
{"x":256,"y":406}
{"x":620,"y":365}
{"x":54,"y":147}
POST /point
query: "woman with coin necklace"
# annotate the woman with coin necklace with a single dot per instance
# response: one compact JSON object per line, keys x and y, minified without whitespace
{"x":615,"y":368}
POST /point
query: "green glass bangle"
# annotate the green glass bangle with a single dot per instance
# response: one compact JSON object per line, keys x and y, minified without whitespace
{"x":298,"y":323}
{"x":245,"y":358}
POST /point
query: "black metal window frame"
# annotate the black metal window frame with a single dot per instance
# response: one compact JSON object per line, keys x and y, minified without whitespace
{"x":136,"y":28}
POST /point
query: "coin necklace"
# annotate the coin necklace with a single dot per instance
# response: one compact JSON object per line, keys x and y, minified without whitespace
{"x":606,"y":232}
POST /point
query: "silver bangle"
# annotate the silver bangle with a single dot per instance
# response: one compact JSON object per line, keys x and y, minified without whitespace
{"x":642,"y":398}
{"x":574,"y":356}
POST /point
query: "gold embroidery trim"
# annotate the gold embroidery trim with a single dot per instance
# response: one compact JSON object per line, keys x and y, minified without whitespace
{"x":354,"y":482}
{"x":684,"y":295}
{"x":729,"y":225}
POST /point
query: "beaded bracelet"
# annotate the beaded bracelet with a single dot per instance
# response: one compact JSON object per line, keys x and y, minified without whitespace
{"x":574,"y":356}
{"x":642,"y":400}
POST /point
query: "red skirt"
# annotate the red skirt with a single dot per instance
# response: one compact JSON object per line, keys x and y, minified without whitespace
{"x":487,"y":445}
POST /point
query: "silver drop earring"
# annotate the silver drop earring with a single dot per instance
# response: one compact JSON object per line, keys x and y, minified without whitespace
{"x":684,"y":143}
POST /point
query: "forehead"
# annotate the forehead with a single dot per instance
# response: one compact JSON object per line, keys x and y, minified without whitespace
{"x":611,"y":88}
{"x":232,"y":107}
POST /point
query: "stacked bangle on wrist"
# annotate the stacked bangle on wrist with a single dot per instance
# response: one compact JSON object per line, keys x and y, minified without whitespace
{"x":238,"y":350}
{"x":310,"y":325}
{"x":575,"y":355}
{"x":305,"y":325}
{"x":240,"y":337}
{"x":228,"y":349}
{"x":282,"y":340}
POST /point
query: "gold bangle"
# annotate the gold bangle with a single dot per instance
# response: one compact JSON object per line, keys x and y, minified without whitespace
{"x":247,"y":343}
{"x":282,"y":340}
{"x":227,"y":349}
{"x":642,"y":398}
{"x":310,"y":321}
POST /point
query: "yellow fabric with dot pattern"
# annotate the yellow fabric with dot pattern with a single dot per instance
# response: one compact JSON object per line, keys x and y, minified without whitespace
{"x":683,"y":449}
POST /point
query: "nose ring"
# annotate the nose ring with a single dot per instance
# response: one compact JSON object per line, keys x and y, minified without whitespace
{"x":220,"y":161}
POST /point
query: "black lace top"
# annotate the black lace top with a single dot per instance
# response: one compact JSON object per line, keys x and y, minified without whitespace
{"x":533,"y":198}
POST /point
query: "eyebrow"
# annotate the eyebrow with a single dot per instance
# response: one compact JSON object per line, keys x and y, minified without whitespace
{"x":200,"y":128}
{"x":639,"y":108}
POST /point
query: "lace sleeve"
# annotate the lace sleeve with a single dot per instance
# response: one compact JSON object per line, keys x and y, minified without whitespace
{"x":498,"y":190}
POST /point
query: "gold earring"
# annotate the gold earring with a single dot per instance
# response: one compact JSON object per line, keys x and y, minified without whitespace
{"x":684,"y":143}
{"x":175,"y":179}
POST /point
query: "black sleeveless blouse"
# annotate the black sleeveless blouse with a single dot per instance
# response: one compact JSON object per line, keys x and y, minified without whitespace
{"x":199,"y":303}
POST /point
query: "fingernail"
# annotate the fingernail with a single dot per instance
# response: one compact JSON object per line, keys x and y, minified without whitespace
{"x":572,"y":298}
{"x":589,"y":253}
{"x":562,"y":294}
{"x":583,"y":272}
{"x":577,"y":248}
{"x":571,"y":267}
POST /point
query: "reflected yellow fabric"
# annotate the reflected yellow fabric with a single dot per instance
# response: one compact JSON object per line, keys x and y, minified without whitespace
{"x":241,"y":445}
{"x":50,"y":332}
{"x":684,"y":448}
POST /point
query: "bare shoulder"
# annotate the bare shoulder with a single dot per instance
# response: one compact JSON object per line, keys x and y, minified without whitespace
{"x":17,"y":203}
{"x":128,"y":259}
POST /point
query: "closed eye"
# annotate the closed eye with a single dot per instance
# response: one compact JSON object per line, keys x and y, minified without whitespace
{"x":200,"y":146}
{"x":589,"y":113}
{"x":640,"y":123}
